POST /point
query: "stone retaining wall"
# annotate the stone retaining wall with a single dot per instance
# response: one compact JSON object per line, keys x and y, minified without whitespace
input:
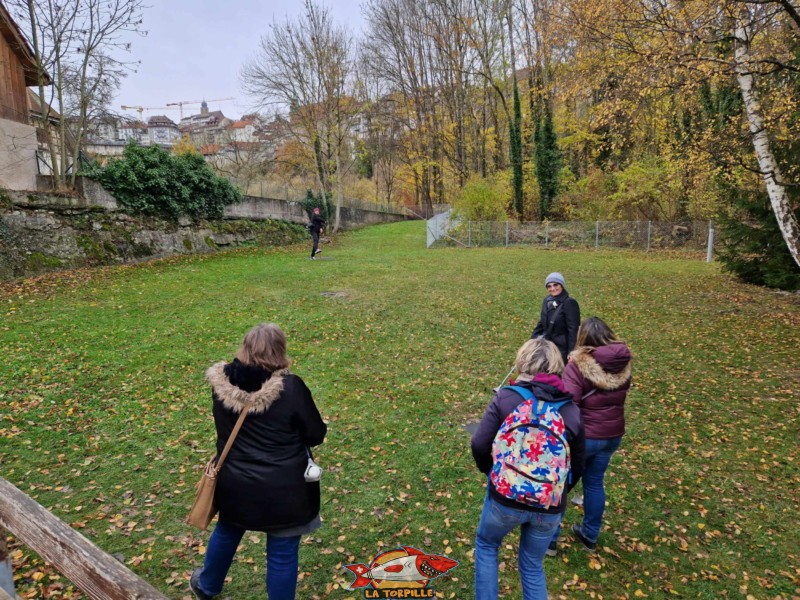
{"x":44,"y":231}
{"x":40,"y":234}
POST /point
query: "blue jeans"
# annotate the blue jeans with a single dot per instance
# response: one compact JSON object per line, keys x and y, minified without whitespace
{"x":536,"y":531}
{"x":598,"y":455}
{"x":282,"y":560}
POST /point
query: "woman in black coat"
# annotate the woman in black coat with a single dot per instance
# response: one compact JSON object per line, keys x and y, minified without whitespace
{"x":262,"y":484}
{"x":560,"y":316}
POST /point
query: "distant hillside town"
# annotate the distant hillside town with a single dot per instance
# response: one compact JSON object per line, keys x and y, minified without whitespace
{"x":210,"y":132}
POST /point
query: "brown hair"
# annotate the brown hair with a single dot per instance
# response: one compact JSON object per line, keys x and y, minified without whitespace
{"x":593,"y":332}
{"x":539,"y":356}
{"x":264,"y":346}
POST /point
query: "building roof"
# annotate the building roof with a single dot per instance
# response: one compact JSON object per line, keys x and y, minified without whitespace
{"x":209,"y":149}
{"x":131,"y":124}
{"x":13,"y":34}
{"x":37,"y":108}
{"x":160,"y":121}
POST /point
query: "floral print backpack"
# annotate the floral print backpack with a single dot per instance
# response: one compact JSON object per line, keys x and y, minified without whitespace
{"x":530,"y":453}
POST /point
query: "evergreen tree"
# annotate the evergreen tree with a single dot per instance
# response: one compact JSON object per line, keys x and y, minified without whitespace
{"x":515,"y":133}
{"x":752,"y":247}
{"x":547,"y":158}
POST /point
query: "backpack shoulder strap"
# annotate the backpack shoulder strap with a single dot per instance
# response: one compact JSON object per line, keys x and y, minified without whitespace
{"x":526,"y":393}
{"x":541,"y":407}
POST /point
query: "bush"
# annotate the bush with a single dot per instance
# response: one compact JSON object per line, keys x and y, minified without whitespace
{"x":484,"y":199}
{"x":324,"y":204}
{"x":648,"y":189}
{"x":585,"y":199}
{"x":150,"y":181}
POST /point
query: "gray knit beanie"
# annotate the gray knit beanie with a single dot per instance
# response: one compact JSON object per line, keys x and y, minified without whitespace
{"x":555,"y":278}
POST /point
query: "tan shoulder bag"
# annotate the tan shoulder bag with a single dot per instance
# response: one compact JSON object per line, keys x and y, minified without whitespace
{"x":204,"y":509}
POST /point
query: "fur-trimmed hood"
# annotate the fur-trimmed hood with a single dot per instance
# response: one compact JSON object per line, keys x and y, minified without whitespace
{"x":607,"y":367}
{"x":236,"y":399}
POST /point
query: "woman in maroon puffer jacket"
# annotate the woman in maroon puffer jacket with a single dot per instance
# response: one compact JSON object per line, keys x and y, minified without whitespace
{"x":598,"y":376}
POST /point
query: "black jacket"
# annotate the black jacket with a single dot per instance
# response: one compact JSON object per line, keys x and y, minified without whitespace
{"x":317,"y":223}
{"x":564,"y":330}
{"x":547,"y":388}
{"x":261,"y":485}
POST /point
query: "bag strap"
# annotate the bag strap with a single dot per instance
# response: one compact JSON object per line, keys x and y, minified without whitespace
{"x":552,"y":322}
{"x":231,"y":438}
{"x":526,"y":393}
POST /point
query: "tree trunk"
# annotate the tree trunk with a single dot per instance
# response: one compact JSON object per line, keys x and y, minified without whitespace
{"x":766,"y":159}
{"x":339,"y":177}
{"x":44,"y":112}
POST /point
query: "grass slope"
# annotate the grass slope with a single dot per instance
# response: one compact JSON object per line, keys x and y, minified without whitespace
{"x":106,"y":417}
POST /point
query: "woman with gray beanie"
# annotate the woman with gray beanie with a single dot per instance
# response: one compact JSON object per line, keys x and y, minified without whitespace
{"x":560,"y":317}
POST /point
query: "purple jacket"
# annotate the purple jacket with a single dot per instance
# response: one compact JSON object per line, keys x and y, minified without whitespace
{"x":599,"y":380}
{"x":547,"y":388}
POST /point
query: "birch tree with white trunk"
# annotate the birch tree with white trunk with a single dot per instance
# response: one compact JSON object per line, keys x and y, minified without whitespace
{"x":767,"y":163}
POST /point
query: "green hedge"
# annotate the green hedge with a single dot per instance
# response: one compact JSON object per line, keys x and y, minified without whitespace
{"x":149,"y":181}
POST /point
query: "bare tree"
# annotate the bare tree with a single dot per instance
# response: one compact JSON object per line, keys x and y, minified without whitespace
{"x":306,"y":66}
{"x":78,"y":43}
{"x":241,"y":161}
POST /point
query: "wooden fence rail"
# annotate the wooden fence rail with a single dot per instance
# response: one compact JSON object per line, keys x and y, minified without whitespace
{"x":95,"y":572}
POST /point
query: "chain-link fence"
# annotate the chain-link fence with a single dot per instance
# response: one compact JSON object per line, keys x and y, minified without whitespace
{"x":446,"y":230}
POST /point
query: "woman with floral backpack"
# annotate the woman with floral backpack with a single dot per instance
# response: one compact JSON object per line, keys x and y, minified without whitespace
{"x":539,"y":365}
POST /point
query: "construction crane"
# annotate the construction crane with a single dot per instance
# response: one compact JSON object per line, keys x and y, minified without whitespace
{"x":180,"y":103}
{"x":141,"y":109}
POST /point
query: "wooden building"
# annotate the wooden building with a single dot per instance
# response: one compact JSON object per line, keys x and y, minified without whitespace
{"x":18,"y":141}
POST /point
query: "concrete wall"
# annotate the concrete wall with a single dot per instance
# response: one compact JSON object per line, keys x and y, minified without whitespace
{"x":17,"y":155}
{"x":258,"y":209}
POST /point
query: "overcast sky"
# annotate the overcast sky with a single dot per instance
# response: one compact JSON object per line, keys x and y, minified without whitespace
{"x":194,"y":49}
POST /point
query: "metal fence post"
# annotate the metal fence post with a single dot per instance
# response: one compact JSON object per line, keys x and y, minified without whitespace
{"x":649,"y":233}
{"x":710,"y":252}
{"x":506,"y":234}
{"x":547,"y":235}
{"x":596,"y":235}
{"x":469,"y":234}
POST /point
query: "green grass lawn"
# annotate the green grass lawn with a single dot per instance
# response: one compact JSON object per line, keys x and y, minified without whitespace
{"x":105,"y":417}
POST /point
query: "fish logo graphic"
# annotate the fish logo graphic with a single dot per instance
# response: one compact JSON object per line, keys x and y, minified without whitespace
{"x":405,"y":567}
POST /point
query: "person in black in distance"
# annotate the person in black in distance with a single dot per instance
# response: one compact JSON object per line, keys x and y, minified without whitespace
{"x":560,"y":317}
{"x":317,"y":225}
